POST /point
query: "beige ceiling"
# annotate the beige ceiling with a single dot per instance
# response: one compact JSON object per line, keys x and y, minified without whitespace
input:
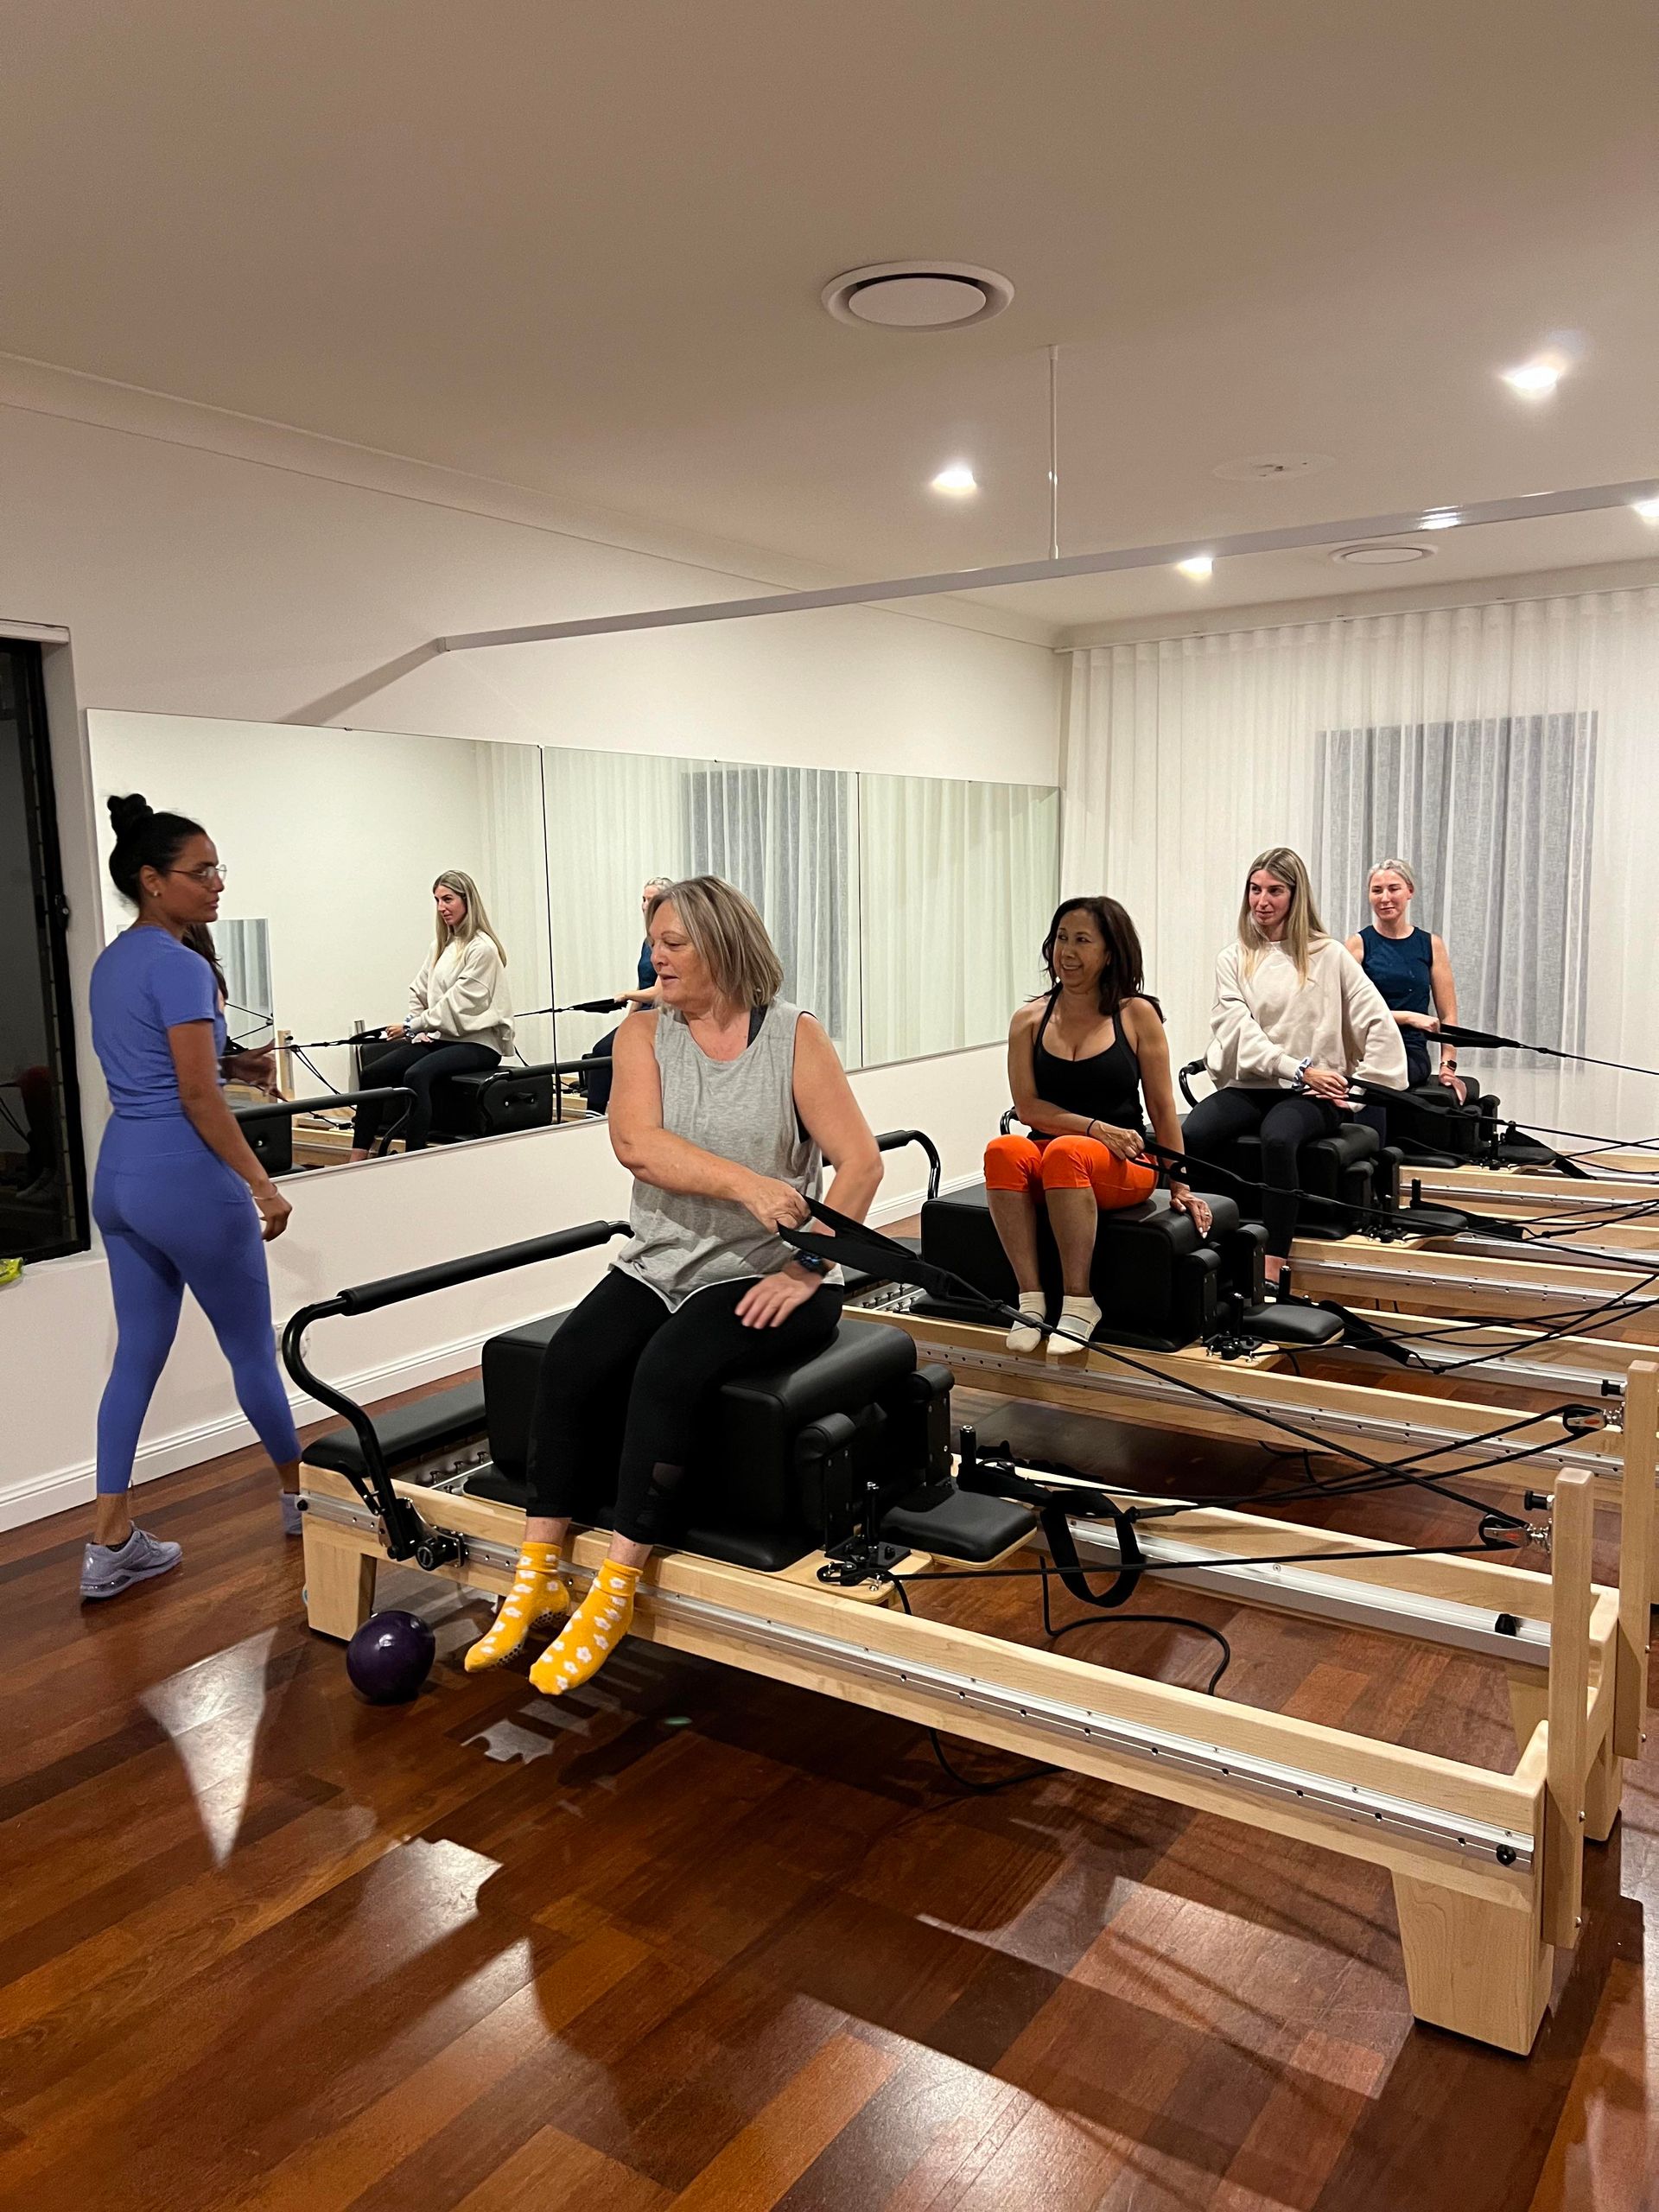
{"x":580,"y":247}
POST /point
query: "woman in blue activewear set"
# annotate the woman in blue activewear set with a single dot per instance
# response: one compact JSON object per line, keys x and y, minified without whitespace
{"x":180,"y":1198}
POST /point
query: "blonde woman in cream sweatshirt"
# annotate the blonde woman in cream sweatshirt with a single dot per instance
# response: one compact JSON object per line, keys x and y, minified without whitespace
{"x":1295,"y":1020}
{"x":459,"y":1015}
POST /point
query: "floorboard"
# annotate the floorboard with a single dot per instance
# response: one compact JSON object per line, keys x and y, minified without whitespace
{"x":694,"y":1939}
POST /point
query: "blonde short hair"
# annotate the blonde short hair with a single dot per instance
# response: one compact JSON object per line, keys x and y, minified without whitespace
{"x":728,"y":936}
{"x":1394,"y":865}
{"x":1303,"y":928}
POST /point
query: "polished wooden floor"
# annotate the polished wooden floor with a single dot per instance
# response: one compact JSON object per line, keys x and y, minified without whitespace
{"x":700,"y":1940}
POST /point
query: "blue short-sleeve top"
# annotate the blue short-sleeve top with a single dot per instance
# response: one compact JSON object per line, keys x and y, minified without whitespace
{"x":143,"y":984}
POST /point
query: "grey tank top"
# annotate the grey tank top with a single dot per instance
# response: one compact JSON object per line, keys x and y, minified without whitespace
{"x":740,"y":1110}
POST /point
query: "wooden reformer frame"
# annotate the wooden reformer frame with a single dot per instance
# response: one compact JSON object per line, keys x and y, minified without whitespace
{"x":1487,"y":1867}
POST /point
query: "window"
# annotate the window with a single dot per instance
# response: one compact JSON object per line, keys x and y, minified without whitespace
{"x":1495,"y":815}
{"x":42,"y":1173}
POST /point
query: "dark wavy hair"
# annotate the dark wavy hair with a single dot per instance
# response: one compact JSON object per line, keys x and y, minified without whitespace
{"x":1122,"y":976}
{"x":144,"y":838}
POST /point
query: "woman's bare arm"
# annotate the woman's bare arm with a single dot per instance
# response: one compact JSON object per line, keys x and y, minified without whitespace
{"x":835,"y":1121}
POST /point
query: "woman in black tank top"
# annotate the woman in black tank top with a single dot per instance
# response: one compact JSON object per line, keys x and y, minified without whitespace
{"x":1081,"y":1059}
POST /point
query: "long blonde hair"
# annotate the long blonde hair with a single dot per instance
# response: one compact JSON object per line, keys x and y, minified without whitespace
{"x":474,"y":923}
{"x":728,"y":936}
{"x":1303,"y":928}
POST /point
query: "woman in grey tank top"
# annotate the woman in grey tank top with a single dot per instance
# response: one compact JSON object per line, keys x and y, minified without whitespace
{"x":727,"y":1103}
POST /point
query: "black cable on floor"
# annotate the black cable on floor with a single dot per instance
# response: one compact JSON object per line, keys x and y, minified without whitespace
{"x":1034,"y":1772}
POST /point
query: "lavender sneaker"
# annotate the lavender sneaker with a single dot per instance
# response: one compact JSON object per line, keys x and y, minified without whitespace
{"x":106,"y":1571}
{"x":293,"y":1513}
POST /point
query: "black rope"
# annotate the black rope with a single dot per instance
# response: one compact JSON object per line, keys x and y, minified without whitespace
{"x":868,"y":1249}
{"x":1036,"y":1772}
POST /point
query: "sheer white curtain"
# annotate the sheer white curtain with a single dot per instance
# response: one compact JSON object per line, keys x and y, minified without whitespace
{"x":511,"y":874}
{"x":614,"y":821}
{"x":1530,"y":728}
{"x":788,"y":838}
{"x":959,"y":884}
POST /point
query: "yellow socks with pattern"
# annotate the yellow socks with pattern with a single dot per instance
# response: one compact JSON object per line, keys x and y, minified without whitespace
{"x":591,"y":1634}
{"x":538,"y":1589}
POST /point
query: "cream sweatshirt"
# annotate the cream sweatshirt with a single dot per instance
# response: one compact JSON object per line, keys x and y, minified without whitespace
{"x":1264,"y":1025}
{"x":462,"y":996}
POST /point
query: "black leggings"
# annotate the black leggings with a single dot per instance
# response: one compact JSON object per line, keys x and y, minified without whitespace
{"x":1285,"y":1121}
{"x":420,"y":1066}
{"x":624,"y":1372}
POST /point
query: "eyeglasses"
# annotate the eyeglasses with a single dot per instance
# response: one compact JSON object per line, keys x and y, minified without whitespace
{"x":210,"y":872}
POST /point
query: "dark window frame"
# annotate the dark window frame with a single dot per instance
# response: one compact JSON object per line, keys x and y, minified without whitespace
{"x":52,"y":918}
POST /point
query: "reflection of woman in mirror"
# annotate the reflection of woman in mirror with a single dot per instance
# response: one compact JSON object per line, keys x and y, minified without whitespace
{"x":460,"y":1017}
{"x":645,"y":994}
{"x":1080,"y":1061}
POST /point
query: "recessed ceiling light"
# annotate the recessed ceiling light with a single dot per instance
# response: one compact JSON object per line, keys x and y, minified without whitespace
{"x":1440,"y":518}
{"x":1380,"y":553}
{"x":917,"y":294}
{"x":1199,"y":567}
{"x":1533,"y":379}
{"x":1648,"y":509}
{"x":958,"y":479}
{"x":1271,"y":468}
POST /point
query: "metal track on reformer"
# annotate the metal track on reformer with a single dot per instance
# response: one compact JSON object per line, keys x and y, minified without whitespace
{"x":1058,"y":1720}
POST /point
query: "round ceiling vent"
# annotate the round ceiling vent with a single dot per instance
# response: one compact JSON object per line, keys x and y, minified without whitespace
{"x":918,"y":295}
{"x":1379,"y":555}
{"x":1269,"y":467}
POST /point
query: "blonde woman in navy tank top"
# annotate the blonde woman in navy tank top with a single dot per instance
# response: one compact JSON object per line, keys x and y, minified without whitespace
{"x":1413,"y":970}
{"x":1081,"y":1059}
{"x":728,"y":1103}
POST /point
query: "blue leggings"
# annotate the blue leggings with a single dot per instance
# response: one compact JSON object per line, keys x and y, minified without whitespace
{"x":173,"y":1215}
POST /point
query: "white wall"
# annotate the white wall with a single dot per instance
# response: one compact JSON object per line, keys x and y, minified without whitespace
{"x":198,"y":583}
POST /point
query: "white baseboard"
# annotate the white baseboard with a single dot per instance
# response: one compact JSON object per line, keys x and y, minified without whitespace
{"x":37,"y":1497}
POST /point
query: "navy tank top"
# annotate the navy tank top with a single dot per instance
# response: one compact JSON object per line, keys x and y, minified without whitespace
{"x":1400,"y":966}
{"x":1106,"y":1087}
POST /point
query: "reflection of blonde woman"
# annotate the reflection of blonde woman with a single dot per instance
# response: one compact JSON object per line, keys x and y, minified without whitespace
{"x":460,"y":1016}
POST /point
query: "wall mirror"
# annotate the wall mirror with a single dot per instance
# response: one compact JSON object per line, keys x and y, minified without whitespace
{"x":908,"y":910}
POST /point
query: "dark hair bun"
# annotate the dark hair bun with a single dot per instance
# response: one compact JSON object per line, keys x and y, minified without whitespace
{"x":128,"y":813}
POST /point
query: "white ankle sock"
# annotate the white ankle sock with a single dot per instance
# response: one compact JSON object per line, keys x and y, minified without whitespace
{"x":1027,"y":1336}
{"x":1080,"y":1317}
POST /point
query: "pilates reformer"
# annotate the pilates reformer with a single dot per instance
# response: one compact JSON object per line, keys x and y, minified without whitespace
{"x":830,"y":1494}
{"x":1190,"y":1340}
